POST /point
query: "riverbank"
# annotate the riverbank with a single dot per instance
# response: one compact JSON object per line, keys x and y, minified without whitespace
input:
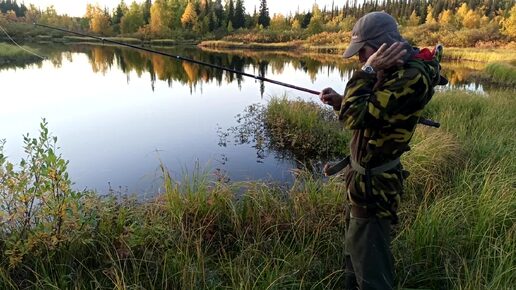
{"x":457,"y":218}
{"x":14,"y":56}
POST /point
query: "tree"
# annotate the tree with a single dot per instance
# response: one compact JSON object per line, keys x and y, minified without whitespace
{"x":278,"y":22}
{"x":230,"y":12}
{"x":430,"y":15}
{"x":32,"y":14}
{"x":264,"y":19}
{"x":471,"y":19}
{"x":189,"y":18}
{"x":316,"y":22}
{"x":296,"y":25}
{"x":218,"y":10}
{"x":413,"y":19}
{"x":446,"y":17}
{"x":99,"y":21}
{"x":120,"y":10}
{"x":509,"y":24}
{"x":133,"y":19}
{"x":146,"y":11}
{"x":461,"y":12}
{"x":159,"y":18}
{"x":239,"y":20}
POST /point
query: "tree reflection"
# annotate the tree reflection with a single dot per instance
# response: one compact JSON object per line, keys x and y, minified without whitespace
{"x":261,"y":63}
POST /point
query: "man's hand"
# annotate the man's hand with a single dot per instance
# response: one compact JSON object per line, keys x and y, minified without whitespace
{"x":385,"y":58}
{"x":332,"y":98}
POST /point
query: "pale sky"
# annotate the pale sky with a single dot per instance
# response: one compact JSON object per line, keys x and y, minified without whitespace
{"x":78,"y":7}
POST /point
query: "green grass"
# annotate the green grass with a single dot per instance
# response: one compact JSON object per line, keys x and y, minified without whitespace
{"x":457,"y":227}
{"x":483,"y":55}
{"x":11,"y":55}
{"x":250,"y":45}
{"x":502,"y":72}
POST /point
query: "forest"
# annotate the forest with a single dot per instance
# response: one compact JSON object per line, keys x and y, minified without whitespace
{"x":451,"y":22}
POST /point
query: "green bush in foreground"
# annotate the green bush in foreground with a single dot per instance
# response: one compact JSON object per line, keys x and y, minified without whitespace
{"x":457,"y":231}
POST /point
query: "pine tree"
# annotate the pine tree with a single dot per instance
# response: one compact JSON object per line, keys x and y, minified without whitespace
{"x":146,"y":11}
{"x":230,"y":12}
{"x":239,"y":21}
{"x":264,"y":19}
{"x":120,"y":10}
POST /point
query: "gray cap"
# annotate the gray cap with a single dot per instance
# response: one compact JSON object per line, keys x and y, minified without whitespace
{"x":374,"y":29}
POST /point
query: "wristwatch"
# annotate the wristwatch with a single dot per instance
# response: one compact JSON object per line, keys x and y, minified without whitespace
{"x":368,"y":69}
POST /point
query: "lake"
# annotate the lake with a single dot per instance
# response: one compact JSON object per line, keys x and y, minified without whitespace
{"x":120,"y":113}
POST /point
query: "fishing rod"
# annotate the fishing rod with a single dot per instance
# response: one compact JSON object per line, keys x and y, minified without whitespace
{"x":423,"y":121}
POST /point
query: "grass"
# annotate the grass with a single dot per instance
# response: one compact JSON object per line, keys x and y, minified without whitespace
{"x":483,"y":55}
{"x":12,"y":55}
{"x":502,"y":72}
{"x":457,"y":227}
{"x":250,"y":45}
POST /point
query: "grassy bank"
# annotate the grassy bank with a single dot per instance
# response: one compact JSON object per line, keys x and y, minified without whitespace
{"x":502,"y":72}
{"x":250,"y":45}
{"x":328,"y":42}
{"x":482,"y":55}
{"x":457,"y":227}
{"x":11,"y":55}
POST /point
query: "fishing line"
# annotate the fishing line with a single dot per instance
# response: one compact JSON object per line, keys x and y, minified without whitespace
{"x":256,"y":77}
{"x":21,"y":47}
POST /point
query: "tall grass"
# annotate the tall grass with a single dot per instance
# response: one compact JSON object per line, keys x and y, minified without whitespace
{"x":11,"y":53}
{"x":457,"y":227}
{"x":502,"y":72}
{"x":484,"y":55}
{"x":464,"y":236}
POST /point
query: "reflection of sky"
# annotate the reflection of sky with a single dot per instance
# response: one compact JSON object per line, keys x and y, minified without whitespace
{"x":117,"y":131}
{"x":471,"y":87}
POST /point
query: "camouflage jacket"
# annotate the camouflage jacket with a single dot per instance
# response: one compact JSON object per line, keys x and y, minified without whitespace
{"x":383,"y":115}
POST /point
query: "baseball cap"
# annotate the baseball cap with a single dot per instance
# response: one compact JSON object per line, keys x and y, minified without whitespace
{"x":373,"y":28}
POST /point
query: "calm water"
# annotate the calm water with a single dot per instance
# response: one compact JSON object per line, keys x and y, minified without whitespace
{"x":119,"y":113}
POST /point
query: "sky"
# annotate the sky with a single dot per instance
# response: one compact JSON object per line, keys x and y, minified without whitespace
{"x":78,"y":7}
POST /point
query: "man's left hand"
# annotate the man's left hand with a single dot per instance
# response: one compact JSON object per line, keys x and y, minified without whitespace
{"x":385,"y":58}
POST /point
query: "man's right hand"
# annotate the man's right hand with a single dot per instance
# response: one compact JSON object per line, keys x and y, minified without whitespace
{"x":330,"y":97}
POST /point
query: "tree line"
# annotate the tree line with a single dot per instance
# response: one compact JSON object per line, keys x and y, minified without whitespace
{"x":213,"y":18}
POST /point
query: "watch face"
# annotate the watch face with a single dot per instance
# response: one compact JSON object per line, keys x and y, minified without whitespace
{"x":369,"y":69}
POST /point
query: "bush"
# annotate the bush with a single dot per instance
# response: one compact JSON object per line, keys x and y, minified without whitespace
{"x":329,"y":38}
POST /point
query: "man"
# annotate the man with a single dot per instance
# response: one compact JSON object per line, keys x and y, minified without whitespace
{"x":382,"y":104}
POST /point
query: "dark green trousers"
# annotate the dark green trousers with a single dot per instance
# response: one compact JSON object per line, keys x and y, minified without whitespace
{"x":369,"y":261}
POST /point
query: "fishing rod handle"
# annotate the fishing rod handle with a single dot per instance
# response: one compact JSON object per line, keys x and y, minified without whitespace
{"x":430,"y":123}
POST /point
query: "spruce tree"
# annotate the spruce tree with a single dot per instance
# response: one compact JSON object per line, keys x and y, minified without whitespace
{"x":231,"y":12}
{"x":264,"y":19}
{"x":146,"y":11}
{"x":239,"y":21}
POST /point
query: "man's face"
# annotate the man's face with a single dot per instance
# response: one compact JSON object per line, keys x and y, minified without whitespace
{"x":365,"y":52}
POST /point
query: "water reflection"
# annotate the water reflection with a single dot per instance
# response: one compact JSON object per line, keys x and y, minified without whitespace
{"x":461,"y":75}
{"x":104,"y":58}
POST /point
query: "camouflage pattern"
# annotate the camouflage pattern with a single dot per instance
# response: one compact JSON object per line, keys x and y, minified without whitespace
{"x":383,"y":114}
